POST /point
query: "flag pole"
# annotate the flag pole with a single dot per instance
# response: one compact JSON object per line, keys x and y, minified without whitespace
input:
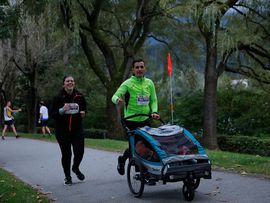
{"x":171,"y":105}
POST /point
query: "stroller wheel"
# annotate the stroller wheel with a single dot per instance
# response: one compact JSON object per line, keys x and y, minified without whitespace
{"x":135,"y":177}
{"x":197,"y":183}
{"x":188,"y":192}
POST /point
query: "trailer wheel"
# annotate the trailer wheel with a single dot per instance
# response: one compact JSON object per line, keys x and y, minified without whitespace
{"x":197,"y":183}
{"x":135,"y":178}
{"x":188,"y":192}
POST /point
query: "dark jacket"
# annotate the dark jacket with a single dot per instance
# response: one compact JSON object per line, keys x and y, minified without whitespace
{"x":67,"y":123}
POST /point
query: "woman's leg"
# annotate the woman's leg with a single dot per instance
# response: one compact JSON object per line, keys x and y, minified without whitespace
{"x":4,"y":131}
{"x":78,"y":148}
{"x":14,"y":130}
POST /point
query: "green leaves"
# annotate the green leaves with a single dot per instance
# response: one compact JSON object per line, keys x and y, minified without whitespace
{"x":9,"y":16}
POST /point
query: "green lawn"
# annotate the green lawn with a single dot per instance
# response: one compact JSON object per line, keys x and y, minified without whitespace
{"x":14,"y":190}
{"x":242,"y":163}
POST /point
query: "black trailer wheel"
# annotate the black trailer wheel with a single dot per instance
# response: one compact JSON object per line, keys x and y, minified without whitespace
{"x":188,"y":192}
{"x":135,"y":178}
{"x":197,"y":183}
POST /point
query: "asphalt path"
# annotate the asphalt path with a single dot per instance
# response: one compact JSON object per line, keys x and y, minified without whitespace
{"x":38,"y":164}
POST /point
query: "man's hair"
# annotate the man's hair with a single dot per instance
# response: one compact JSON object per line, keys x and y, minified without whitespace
{"x":135,"y":61}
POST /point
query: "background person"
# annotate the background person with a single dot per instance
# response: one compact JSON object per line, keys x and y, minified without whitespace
{"x":9,"y":119}
{"x":140,"y":97}
{"x":43,"y":118}
{"x":68,"y":110}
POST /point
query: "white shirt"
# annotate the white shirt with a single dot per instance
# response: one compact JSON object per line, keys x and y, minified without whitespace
{"x":6,"y":117}
{"x":44,"y":113}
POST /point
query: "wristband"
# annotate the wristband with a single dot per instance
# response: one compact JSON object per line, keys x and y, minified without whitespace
{"x":61,"y":111}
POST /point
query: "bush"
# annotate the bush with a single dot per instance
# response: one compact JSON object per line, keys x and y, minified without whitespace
{"x":243,"y":112}
{"x":96,"y":133}
{"x":188,"y":111}
{"x":245,"y":144}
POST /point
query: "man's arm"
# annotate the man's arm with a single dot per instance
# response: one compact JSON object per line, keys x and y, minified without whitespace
{"x":117,"y":97}
{"x":153,"y":102}
{"x":153,"y":98}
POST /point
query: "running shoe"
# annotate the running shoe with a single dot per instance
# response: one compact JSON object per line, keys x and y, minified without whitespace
{"x":68,"y":180}
{"x":121,"y":166}
{"x":79,"y":174}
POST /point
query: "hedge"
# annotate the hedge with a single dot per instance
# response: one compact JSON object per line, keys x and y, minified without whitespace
{"x":96,"y":133}
{"x":245,"y":144}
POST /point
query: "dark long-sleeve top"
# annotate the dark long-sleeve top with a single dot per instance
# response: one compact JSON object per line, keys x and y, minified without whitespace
{"x":68,"y":122}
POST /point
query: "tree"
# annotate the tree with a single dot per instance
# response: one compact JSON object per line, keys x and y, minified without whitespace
{"x":8,"y":24}
{"x":34,"y":53}
{"x":26,"y":49}
{"x":111,"y":34}
{"x":235,"y":39}
{"x":7,"y":76}
{"x":216,"y":22}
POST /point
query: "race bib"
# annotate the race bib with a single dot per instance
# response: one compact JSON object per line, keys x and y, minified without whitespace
{"x":142,"y":100}
{"x":73,"y":108}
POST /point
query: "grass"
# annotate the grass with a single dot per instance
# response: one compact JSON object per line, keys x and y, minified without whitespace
{"x":13,"y":190}
{"x":242,"y":163}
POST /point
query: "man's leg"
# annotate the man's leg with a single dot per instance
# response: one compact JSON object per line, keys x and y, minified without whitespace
{"x":122,"y":160}
{"x":132,"y":125}
{"x":43,"y":131}
{"x":48,"y":130}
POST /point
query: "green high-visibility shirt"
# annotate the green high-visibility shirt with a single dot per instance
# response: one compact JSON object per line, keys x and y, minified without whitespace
{"x":139,"y":95}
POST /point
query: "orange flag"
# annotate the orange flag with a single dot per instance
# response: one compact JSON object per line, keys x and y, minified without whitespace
{"x":169,"y":65}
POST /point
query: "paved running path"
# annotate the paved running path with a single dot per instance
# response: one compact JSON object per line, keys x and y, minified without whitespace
{"x":38,"y":163}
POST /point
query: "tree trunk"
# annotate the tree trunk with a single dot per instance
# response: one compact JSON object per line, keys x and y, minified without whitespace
{"x":114,"y":117}
{"x":210,"y":95}
{"x":32,"y":109}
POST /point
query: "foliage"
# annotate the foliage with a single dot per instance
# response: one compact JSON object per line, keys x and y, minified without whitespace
{"x":188,"y":111}
{"x":173,"y":28}
{"x":96,"y":133}
{"x":227,"y":49}
{"x":244,"y":144}
{"x":9,"y":16}
{"x":240,"y":112}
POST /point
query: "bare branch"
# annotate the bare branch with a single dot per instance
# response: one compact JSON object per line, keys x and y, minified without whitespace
{"x":90,"y":56}
{"x":250,"y":73}
{"x":251,"y":9}
{"x":159,"y":40}
{"x":19,"y":67}
{"x":252,"y":21}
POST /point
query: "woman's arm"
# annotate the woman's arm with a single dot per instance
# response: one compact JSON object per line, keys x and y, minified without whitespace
{"x":14,"y":110}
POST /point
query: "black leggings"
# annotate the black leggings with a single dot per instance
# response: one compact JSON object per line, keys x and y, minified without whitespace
{"x":65,"y":141}
{"x":132,"y":125}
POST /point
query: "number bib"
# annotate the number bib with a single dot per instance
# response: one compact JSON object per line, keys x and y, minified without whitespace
{"x":73,"y":108}
{"x":142,"y":100}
